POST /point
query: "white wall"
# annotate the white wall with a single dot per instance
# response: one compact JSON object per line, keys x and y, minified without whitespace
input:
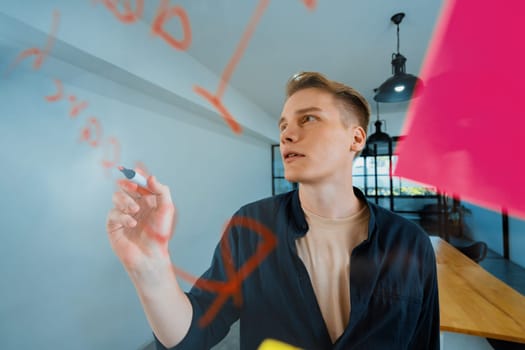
{"x":61,"y":282}
{"x":62,"y":286}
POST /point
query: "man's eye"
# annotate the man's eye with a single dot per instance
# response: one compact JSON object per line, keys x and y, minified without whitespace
{"x":282,"y":127}
{"x":308,"y":118}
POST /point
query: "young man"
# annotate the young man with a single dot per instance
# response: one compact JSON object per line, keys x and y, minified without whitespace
{"x":345,"y":273}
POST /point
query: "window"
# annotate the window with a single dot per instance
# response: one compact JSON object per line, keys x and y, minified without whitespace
{"x":372,"y":174}
{"x":279,"y":183}
{"x":365,"y":178}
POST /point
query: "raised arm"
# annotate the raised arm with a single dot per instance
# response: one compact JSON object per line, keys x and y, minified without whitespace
{"x":139,"y":228}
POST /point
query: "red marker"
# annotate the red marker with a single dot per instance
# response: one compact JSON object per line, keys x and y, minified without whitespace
{"x":134,"y":177}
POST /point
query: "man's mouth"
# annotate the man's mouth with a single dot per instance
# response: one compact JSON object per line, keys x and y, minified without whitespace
{"x":291,"y":155}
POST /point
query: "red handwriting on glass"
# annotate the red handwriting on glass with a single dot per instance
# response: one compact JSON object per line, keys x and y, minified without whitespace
{"x":92,"y":132}
{"x":232,"y":287}
{"x":76,"y":107}
{"x":40,"y":54}
{"x":128,"y":15}
{"x":58,"y":95}
{"x":111,"y":153}
{"x":165,"y":13}
{"x":215,"y":99}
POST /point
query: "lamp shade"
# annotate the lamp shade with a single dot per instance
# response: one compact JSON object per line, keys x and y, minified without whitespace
{"x":378,"y":144}
{"x":399,"y":87}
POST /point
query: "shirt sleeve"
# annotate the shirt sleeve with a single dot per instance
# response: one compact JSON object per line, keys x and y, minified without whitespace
{"x":427,"y":332}
{"x":207,"y":297}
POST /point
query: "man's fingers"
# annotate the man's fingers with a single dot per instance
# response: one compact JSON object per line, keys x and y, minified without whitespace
{"x":124,"y":202}
{"x":118,"y":219}
{"x":129,"y":187}
{"x":162,"y":191}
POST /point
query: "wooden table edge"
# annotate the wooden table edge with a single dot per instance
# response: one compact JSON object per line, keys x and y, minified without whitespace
{"x":497,"y":336}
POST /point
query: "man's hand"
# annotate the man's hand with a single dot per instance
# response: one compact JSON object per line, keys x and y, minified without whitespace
{"x":141,"y":223}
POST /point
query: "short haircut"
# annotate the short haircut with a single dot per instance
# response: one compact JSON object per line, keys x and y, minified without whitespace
{"x":350,"y":99}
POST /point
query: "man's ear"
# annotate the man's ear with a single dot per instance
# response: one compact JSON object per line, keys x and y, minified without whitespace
{"x":358,"y":139}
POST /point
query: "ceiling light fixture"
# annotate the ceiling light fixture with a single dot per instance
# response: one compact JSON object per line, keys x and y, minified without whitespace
{"x":400,"y":87}
{"x":379,"y":143}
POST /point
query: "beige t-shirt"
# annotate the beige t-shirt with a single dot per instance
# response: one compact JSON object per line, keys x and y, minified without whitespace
{"x":325,"y":251}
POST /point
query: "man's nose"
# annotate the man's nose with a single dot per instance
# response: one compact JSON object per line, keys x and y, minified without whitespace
{"x":290,"y":134}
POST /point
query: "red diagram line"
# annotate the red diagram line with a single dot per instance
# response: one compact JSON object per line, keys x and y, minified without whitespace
{"x":228,"y":71}
{"x":215,"y":100}
{"x":39,"y":53}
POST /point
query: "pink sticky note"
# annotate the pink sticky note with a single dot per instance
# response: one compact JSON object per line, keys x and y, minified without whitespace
{"x":466,"y":131}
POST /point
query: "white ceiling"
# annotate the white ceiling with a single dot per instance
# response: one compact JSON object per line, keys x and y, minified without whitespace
{"x":348,"y":40}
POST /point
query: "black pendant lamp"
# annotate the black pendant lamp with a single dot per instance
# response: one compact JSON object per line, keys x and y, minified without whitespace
{"x":400,"y":87}
{"x":379,"y":143}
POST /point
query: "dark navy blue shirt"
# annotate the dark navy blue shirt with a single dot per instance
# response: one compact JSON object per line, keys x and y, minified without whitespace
{"x":394,"y":293}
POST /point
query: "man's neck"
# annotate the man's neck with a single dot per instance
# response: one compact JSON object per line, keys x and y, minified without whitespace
{"x":329,"y":200}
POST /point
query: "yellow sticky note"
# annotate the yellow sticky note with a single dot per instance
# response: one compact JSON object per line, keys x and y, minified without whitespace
{"x":272,"y":344}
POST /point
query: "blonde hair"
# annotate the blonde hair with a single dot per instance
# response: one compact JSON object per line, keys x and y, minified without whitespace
{"x":351,"y":100}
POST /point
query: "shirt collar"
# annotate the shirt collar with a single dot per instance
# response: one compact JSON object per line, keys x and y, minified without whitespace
{"x":299,"y":220}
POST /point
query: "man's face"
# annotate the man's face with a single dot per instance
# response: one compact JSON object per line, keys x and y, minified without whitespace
{"x":315,"y":145}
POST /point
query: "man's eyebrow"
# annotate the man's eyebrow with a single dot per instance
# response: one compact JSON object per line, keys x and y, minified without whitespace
{"x":308,"y":109}
{"x":302,"y":111}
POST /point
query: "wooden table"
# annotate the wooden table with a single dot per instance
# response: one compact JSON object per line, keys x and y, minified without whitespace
{"x":472,"y":301}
